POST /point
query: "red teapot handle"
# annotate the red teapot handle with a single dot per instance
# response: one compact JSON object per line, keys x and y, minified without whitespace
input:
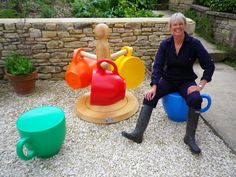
{"x":76,"y":55}
{"x":115,"y":70}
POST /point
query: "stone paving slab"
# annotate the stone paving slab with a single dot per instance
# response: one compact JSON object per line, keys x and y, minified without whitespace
{"x":222,"y":114}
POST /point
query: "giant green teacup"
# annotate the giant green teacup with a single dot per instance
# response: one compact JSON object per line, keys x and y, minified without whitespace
{"x":42,"y":131}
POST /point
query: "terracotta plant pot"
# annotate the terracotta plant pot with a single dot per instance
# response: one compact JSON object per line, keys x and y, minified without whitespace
{"x":24,"y":84}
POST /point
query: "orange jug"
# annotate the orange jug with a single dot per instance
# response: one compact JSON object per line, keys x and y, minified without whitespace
{"x":79,"y":71}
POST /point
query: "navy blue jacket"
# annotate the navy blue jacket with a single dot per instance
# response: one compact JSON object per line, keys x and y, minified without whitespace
{"x":179,"y":68}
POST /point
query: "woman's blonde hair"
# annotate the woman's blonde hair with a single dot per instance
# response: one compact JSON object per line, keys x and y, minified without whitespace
{"x":177,"y":17}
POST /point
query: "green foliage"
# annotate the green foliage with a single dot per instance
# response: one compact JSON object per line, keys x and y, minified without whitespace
{"x":45,"y":8}
{"x":95,"y":8}
{"x":16,"y":8}
{"x":126,"y":9}
{"x":18,"y":64}
{"x":46,"y":11}
{"x":22,"y":8}
{"x":110,"y":8}
{"x":9,"y":13}
{"x":80,"y":8}
{"x":219,"y":5}
{"x":202,"y":2}
{"x":231,"y":56}
{"x":223,"y":6}
{"x":204,"y":25}
{"x":231,"y":61}
{"x":145,"y":4}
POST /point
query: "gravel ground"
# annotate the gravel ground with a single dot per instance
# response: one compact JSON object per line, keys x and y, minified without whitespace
{"x":100,"y":150}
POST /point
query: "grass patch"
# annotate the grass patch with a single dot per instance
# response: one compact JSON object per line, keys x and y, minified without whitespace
{"x":231,"y":59}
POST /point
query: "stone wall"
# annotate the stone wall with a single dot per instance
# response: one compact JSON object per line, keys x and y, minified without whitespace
{"x":224,"y":25}
{"x":51,"y":42}
{"x":180,"y":5}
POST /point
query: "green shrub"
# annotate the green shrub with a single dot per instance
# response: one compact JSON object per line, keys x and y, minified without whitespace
{"x":82,"y":8}
{"x":223,"y":6}
{"x":9,"y":13}
{"x":219,"y":5}
{"x":110,"y":8}
{"x":145,"y":4}
{"x":202,"y":2}
{"x":18,"y":64}
{"x":23,"y":8}
{"x":231,"y":61}
{"x":87,"y":8}
{"x":231,"y":55}
{"x":20,"y":6}
{"x":46,"y":11}
{"x":126,"y":9}
{"x":204,"y":25}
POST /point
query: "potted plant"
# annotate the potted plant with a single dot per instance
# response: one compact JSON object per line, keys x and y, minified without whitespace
{"x":21,"y":73}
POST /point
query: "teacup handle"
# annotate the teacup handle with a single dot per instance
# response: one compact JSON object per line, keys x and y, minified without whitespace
{"x":19,"y":149}
{"x":206,"y":96}
{"x":76,"y":55}
{"x":129,"y":50}
{"x":115,"y":70}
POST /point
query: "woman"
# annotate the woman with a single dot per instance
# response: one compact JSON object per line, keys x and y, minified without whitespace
{"x":173,"y":71}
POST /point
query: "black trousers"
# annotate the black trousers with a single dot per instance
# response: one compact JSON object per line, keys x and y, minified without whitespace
{"x":193,"y":100}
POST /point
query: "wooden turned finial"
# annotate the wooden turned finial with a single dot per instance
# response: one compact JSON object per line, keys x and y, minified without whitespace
{"x":102,"y":46}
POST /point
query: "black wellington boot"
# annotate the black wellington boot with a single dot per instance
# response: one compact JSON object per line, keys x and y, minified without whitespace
{"x":189,"y":139}
{"x":141,"y":125}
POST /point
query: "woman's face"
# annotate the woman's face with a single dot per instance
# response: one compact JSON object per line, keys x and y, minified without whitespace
{"x":177,"y":27}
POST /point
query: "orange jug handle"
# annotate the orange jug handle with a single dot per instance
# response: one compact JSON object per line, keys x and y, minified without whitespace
{"x":76,"y":55}
{"x":129,"y":50}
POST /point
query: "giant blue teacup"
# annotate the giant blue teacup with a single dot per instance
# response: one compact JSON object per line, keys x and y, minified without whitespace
{"x":176,"y":108}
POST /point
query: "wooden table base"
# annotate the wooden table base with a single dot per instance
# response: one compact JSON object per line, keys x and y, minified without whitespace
{"x":108,"y":114}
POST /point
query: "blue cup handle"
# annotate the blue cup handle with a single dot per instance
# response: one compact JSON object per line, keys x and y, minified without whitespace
{"x":206,"y":96}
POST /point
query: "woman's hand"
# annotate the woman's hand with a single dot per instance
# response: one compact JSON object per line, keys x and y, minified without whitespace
{"x":151,"y":93}
{"x":193,"y":88}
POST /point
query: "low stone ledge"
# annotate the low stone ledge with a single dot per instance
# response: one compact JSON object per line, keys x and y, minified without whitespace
{"x":199,"y":8}
{"x":87,"y":22}
{"x":222,"y":14}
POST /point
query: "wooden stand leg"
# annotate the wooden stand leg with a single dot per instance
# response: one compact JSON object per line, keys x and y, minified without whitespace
{"x":119,"y":111}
